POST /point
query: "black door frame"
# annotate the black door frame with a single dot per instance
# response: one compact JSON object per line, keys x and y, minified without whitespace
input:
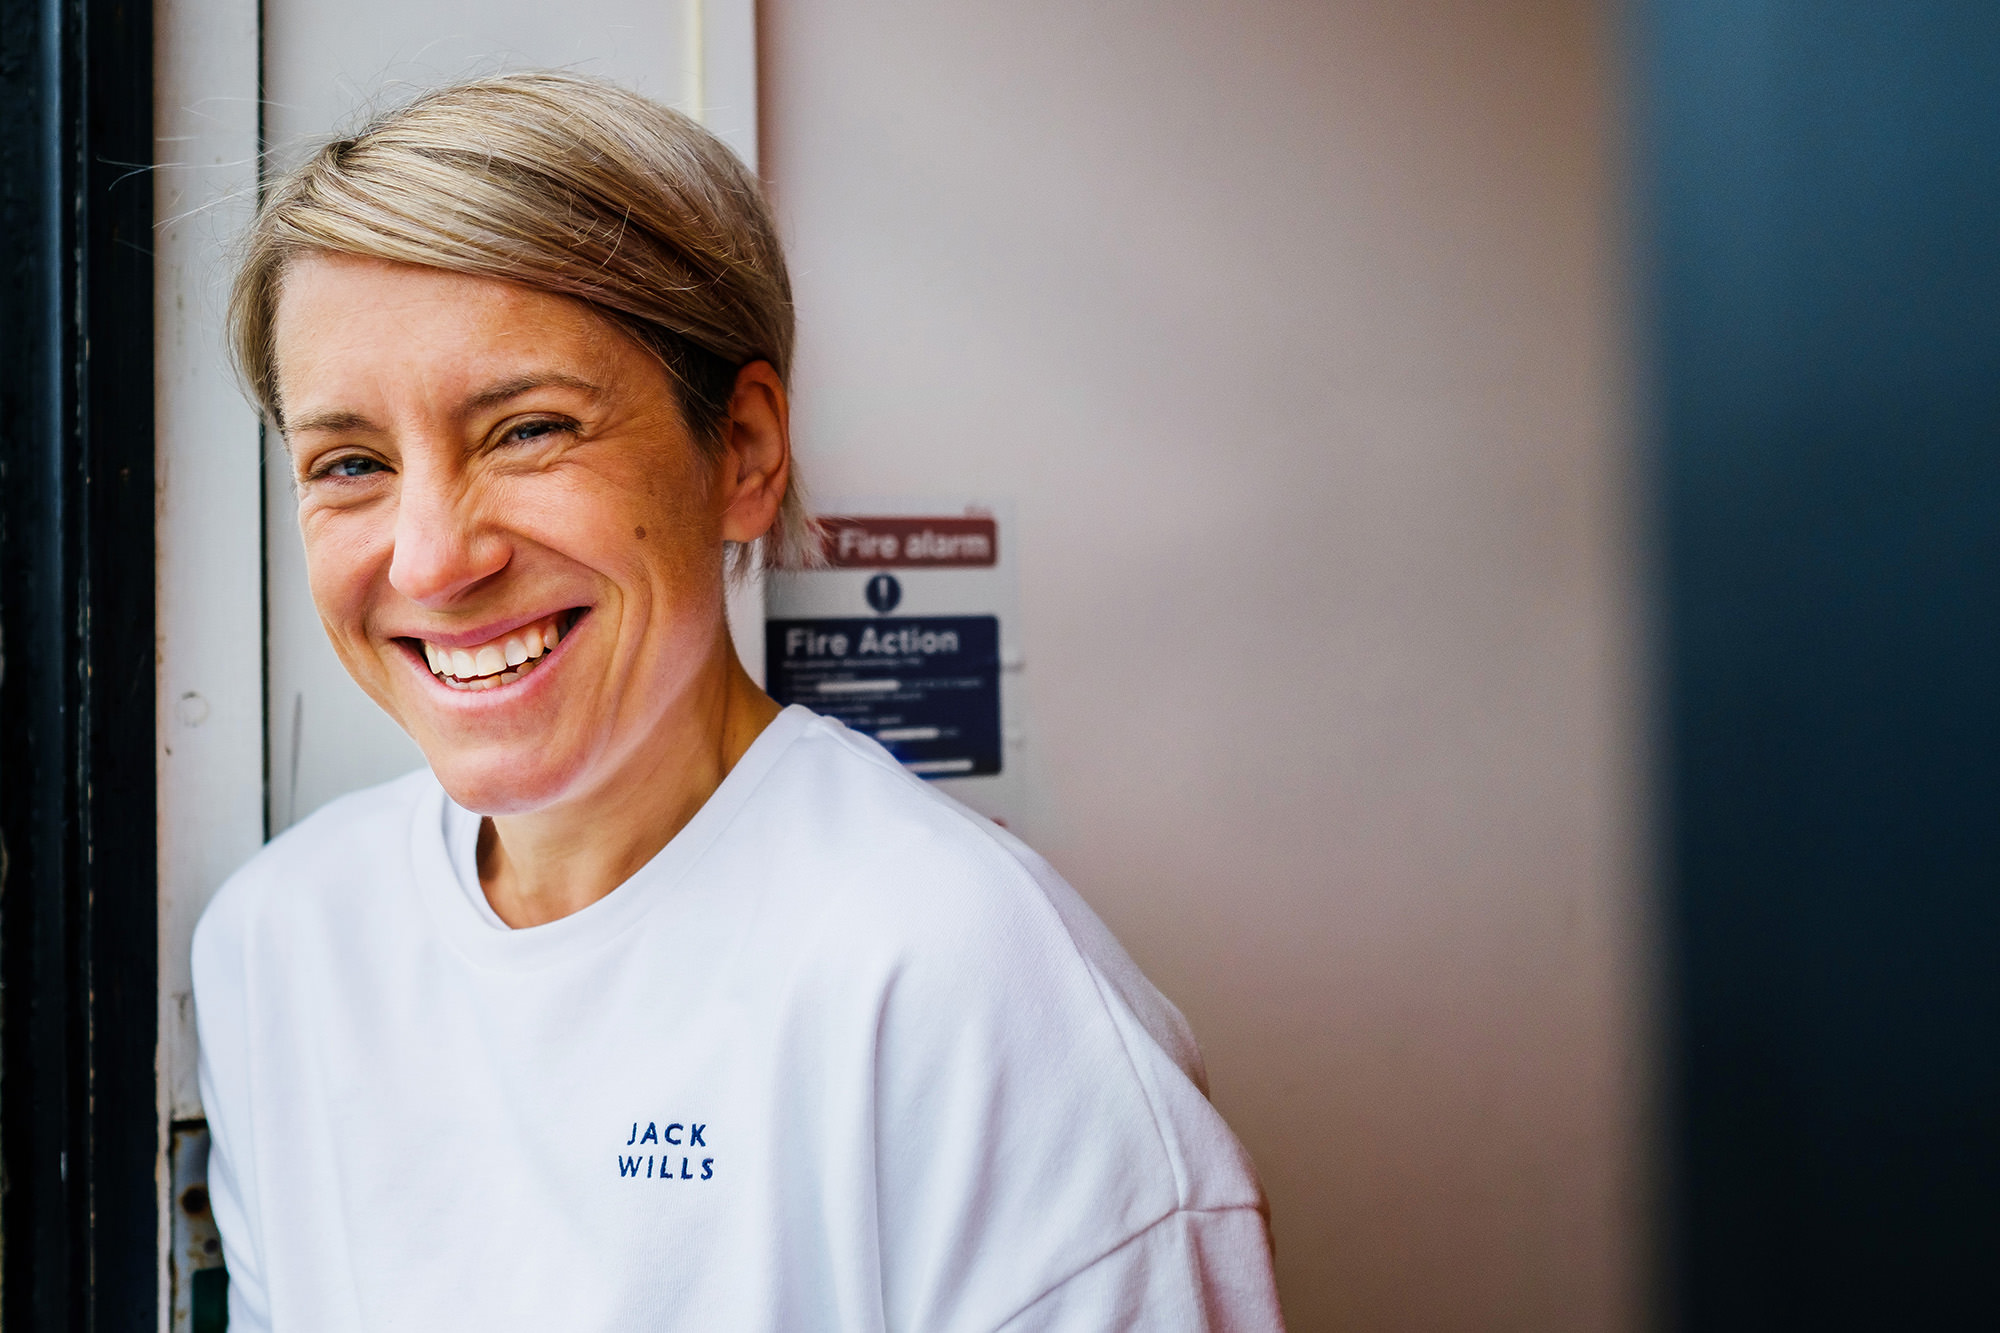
{"x":79,"y":1124}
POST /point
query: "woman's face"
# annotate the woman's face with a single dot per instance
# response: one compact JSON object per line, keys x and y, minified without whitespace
{"x":512,"y":539}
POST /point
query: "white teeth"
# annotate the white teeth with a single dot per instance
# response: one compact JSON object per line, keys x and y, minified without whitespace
{"x":492,"y":665}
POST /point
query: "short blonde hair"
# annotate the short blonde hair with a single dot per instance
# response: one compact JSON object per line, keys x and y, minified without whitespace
{"x":561,"y":183}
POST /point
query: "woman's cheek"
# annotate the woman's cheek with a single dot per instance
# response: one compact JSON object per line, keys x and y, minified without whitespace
{"x":341,"y":554}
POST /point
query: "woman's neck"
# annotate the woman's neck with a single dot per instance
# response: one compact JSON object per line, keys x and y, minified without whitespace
{"x":540,"y":867}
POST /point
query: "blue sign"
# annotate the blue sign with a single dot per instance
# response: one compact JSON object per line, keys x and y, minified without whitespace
{"x":926,"y":687}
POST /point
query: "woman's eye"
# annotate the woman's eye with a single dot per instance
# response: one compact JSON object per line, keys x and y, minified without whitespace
{"x":528,"y":431}
{"x":356,"y":465}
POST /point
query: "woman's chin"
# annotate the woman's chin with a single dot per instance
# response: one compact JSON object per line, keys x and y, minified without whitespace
{"x":489,"y":784}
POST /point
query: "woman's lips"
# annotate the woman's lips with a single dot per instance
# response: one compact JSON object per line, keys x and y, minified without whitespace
{"x":497,"y":662}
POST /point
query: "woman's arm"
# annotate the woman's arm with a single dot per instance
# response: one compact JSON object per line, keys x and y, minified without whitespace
{"x":222,"y":1005}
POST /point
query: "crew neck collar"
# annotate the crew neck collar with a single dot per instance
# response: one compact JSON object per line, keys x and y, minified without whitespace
{"x":454,"y":906}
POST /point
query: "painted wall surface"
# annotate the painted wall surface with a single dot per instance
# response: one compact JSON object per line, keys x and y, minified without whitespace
{"x":208,"y":535}
{"x":1293,"y":330}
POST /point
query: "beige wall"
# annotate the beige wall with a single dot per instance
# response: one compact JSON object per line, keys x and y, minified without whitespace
{"x":1292,"y":328}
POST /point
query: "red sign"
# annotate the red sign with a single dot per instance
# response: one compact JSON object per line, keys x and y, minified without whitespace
{"x":911,"y":543}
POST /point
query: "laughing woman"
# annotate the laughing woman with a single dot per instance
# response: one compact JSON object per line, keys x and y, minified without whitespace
{"x":648,"y":1005}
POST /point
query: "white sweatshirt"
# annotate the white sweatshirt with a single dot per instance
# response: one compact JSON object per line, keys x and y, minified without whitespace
{"x":842,"y":1056}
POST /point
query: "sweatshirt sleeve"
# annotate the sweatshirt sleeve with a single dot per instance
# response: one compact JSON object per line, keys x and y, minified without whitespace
{"x":1027,"y":1124}
{"x":1198,"y":1271}
{"x":221,"y":1011}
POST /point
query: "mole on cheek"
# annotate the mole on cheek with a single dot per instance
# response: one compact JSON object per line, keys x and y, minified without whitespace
{"x":640,"y":533}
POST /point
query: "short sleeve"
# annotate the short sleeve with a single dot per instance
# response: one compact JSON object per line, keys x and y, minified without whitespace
{"x":1026,"y":1122}
{"x":1194,"y":1271}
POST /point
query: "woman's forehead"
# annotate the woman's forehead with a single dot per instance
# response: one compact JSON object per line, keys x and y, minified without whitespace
{"x":344,"y":324}
{"x":321,"y":293}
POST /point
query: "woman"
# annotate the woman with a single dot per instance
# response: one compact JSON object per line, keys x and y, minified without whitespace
{"x":649,"y":1005}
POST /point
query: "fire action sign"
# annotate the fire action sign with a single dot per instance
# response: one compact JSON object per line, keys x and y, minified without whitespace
{"x":901,"y":635}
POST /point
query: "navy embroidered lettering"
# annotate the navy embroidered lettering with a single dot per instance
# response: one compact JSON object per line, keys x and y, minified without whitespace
{"x":658,"y":1165}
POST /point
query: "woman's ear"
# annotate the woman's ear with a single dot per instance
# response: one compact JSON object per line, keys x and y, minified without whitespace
{"x":756,"y":453}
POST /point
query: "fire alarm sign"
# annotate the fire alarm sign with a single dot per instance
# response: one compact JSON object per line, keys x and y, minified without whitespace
{"x":906,"y":635}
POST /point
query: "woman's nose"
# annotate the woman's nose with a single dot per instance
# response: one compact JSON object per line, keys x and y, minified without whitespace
{"x":444,"y":548}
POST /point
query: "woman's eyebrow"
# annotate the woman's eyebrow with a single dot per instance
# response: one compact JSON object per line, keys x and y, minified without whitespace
{"x":338,"y":420}
{"x":344,"y":421}
{"x":520,"y":384}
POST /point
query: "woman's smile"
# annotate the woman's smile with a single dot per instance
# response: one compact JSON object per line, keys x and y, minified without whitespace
{"x":499,"y":660}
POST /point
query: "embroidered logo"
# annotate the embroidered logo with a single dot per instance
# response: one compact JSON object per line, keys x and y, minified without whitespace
{"x":661,"y":1164}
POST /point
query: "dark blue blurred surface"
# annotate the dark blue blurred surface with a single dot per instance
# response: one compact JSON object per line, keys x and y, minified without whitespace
{"x":1820,"y":186}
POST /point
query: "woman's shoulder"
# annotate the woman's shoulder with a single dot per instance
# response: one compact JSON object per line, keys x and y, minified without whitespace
{"x":896,"y":871}
{"x":351,"y":842}
{"x":982,"y":973}
{"x":856,"y":832}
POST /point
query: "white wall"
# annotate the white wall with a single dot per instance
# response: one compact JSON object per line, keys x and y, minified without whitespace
{"x":208,"y":537}
{"x":1292,"y":327}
